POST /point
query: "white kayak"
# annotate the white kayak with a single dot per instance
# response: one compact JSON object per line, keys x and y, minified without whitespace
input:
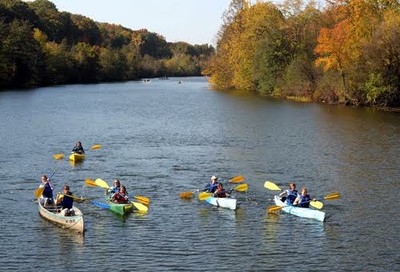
{"x":229,"y":203}
{"x":301,"y":212}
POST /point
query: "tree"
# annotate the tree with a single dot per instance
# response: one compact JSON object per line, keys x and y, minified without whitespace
{"x":23,"y":54}
{"x":87,"y":62}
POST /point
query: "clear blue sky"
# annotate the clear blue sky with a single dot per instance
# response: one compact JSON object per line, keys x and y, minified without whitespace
{"x":192,"y":21}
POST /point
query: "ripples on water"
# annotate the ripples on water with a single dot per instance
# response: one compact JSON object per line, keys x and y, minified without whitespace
{"x":164,"y":138}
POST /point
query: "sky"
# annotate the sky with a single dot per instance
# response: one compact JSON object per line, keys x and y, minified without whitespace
{"x":192,"y":21}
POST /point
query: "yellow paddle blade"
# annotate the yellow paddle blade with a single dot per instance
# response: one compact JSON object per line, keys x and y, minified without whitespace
{"x":38,"y":192}
{"x":271,"y":186}
{"x":242,"y":187}
{"x":142,"y":199}
{"x":96,"y":146}
{"x":90,"y":182}
{"x":58,"y":156}
{"x":272,"y":209}
{"x":186,"y":195}
{"x":205,"y":195}
{"x":101,"y":183}
{"x":332,"y":196}
{"x":141,"y":208}
{"x":72,"y":196}
{"x":236,"y":179}
{"x":316,"y":204}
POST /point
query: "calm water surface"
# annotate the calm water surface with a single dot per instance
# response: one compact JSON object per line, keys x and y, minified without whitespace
{"x":163,"y":138}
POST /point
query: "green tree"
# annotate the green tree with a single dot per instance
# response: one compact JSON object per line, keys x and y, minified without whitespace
{"x":86,"y":58}
{"x":23,"y":54}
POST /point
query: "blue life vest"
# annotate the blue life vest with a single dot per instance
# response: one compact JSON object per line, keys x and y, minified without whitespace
{"x":211,"y":187}
{"x":114,"y":190}
{"x":291,"y":196}
{"x":304,"y":201}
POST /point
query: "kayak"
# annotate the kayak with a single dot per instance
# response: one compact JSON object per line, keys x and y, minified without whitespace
{"x":120,"y":208}
{"x":51,"y":214}
{"x":301,"y":212}
{"x":75,"y":157}
{"x":229,"y":203}
{"x":115,"y":207}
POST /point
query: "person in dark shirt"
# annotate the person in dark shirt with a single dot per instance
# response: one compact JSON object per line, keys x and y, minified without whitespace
{"x":47,"y":191}
{"x":78,"y":148}
{"x":66,"y":202}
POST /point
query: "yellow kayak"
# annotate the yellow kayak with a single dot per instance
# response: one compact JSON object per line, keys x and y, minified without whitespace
{"x":76,"y":157}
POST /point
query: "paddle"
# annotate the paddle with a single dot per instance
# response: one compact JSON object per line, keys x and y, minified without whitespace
{"x":59,"y":156}
{"x":186,"y":194}
{"x":332,"y":196}
{"x":271,"y":186}
{"x":240,"y":188}
{"x":272,"y":209}
{"x":79,"y":199}
{"x":205,"y":195}
{"x":142,"y":199}
{"x":140,"y":207}
{"x":96,"y":146}
{"x":101,"y":205}
{"x":90,"y":182}
{"x":236,"y":179}
{"x":101,"y":183}
{"x":39,"y":191}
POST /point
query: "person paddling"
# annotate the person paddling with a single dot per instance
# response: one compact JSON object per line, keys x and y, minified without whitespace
{"x":115,"y":188}
{"x":303,"y":199}
{"x":221,"y":192}
{"x":67,"y":202}
{"x":290,"y":194}
{"x":47,"y":191}
{"x":121,"y":196}
{"x":78,"y":148}
{"x":212,"y":186}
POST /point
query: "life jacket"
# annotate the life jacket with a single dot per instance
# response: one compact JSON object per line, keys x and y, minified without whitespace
{"x":120,"y":198}
{"x":304,"y":201}
{"x":67,"y":202}
{"x":78,"y":149}
{"x":114,"y":190}
{"x":211,"y":187}
{"x":47,"y":191}
{"x":220,"y":193}
{"x":291,"y":196}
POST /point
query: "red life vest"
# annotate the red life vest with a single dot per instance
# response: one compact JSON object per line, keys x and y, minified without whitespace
{"x":120,"y":198}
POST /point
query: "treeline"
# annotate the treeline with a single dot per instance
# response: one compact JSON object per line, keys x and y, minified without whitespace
{"x":41,"y":46}
{"x":346,"y":52}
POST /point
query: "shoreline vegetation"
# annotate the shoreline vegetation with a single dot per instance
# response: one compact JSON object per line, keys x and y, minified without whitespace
{"x":41,"y":46}
{"x":333,"y":52}
{"x":343,"y":53}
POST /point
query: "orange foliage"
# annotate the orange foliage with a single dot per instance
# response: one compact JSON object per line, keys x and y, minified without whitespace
{"x":333,"y":47}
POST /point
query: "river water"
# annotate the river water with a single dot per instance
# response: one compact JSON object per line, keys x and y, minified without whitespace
{"x":162,"y":138}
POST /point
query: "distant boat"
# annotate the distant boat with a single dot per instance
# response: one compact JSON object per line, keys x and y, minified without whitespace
{"x":146,"y":80}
